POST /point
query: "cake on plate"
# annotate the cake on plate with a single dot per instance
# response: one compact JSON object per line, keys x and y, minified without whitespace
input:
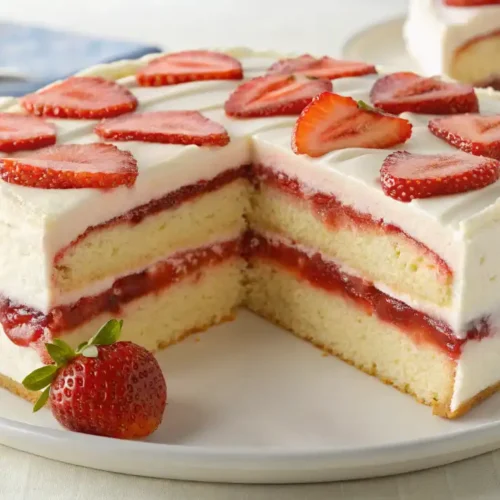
{"x":457,"y":38}
{"x":357,"y":210}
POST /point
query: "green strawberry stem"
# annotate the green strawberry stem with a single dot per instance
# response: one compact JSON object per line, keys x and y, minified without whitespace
{"x":61,"y":353}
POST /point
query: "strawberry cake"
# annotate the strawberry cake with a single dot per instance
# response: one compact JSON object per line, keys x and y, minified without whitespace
{"x":457,"y":38}
{"x":357,"y":210}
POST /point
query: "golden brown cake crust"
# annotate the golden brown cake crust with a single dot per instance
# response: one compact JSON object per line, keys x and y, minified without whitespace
{"x":18,"y":389}
{"x":444,"y":410}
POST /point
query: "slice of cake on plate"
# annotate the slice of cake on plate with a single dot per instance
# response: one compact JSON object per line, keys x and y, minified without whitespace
{"x":191,"y":186}
{"x":457,"y":38}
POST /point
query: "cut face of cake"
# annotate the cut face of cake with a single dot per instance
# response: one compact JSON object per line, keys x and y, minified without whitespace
{"x":371,"y":235}
{"x":457,"y":38}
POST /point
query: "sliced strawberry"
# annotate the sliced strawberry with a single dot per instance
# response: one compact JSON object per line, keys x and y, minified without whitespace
{"x":476,"y":134}
{"x":71,"y":166}
{"x":168,"y":127}
{"x":274,"y":95}
{"x":324,"y":67}
{"x":81,"y":97}
{"x":406,"y":91}
{"x":405,"y":176}
{"x":20,"y":132}
{"x":470,"y":3}
{"x":333,"y":122}
{"x":188,"y":66}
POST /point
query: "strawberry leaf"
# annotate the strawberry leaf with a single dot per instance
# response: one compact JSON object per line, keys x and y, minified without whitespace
{"x":41,"y":400}
{"x":366,"y":107}
{"x":108,"y":334}
{"x":82,"y":346}
{"x":60,"y":352}
{"x":40,"y":378}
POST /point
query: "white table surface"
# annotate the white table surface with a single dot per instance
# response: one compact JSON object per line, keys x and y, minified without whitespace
{"x":289,"y":25}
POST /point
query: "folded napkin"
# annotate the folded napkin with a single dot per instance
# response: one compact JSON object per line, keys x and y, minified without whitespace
{"x":31,"y":57}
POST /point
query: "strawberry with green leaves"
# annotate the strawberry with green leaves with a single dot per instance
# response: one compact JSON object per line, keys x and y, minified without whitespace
{"x":105,"y":387}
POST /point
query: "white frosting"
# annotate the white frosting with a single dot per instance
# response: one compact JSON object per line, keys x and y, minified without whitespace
{"x":16,"y":362}
{"x":433,"y":31}
{"x":477,"y":368}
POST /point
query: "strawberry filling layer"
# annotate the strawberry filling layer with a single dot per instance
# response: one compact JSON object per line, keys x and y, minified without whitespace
{"x":336,"y":215}
{"x":25,"y":326}
{"x":326,"y":275}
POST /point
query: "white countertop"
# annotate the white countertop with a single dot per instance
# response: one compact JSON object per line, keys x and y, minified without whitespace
{"x":317,"y":26}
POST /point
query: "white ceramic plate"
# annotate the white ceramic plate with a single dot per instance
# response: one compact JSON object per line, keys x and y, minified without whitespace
{"x":249,"y":402}
{"x":381,"y":44}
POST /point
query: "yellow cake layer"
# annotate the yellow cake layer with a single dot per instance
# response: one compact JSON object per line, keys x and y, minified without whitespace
{"x":338,"y":325}
{"x":121,"y":248}
{"x":159,"y":319}
{"x":380,"y":257}
{"x":477,"y":61}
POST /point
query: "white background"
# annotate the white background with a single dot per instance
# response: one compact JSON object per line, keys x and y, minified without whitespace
{"x":292,"y":25}
{"x":288,"y":25}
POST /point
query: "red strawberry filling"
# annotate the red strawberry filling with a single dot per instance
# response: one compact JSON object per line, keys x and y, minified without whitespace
{"x":20,"y":132}
{"x":188,"y":66}
{"x":25,"y":326}
{"x":408,"y":92}
{"x":274,"y":95}
{"x":81,"y":97}
{"x":332,"y":122}
{"x":324,"y":67}
{"x":167,"y":127}
{"x":327,"y":276}
{"x":71,"y":166}
{"x":475,"y":134}
{"x":405,"y":176}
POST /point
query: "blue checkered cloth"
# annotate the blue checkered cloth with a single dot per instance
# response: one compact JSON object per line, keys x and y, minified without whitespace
{"x":45,"y":55}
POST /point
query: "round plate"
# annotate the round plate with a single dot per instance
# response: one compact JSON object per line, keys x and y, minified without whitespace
{"x":381,"y":44}
{"x":249,"y":402}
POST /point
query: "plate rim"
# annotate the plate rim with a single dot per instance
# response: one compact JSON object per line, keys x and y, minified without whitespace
{"x":251,"y":464}
{"x":352,"y":39}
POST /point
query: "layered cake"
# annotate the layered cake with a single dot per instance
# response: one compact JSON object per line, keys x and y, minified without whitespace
{"x":170,"y":191}
{"x":457,"y":38}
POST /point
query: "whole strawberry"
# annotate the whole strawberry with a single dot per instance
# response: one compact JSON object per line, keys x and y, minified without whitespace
{"x":105,"y":387}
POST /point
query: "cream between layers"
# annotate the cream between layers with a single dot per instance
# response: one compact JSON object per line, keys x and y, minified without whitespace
{"x":433,"y":31}
{"x":462,"y":229}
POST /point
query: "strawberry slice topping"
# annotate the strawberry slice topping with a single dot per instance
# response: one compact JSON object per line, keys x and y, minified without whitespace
{"x":479,"y":135}
{"x":333,"y":122}
{"x":20,"y":132}
{"x":274,"y":95}
{"x":82,"y":97}
{"x":406,"y":91}
{"x":189,"y":66}
{"x":324,"y":67}
{"x":470,"y":3}
{"x":168,"y":127}
{"x":71,"y":166}
{"x":406,"y":176}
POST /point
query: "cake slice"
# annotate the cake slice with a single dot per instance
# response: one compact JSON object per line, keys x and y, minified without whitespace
{"x":457,"y":38}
